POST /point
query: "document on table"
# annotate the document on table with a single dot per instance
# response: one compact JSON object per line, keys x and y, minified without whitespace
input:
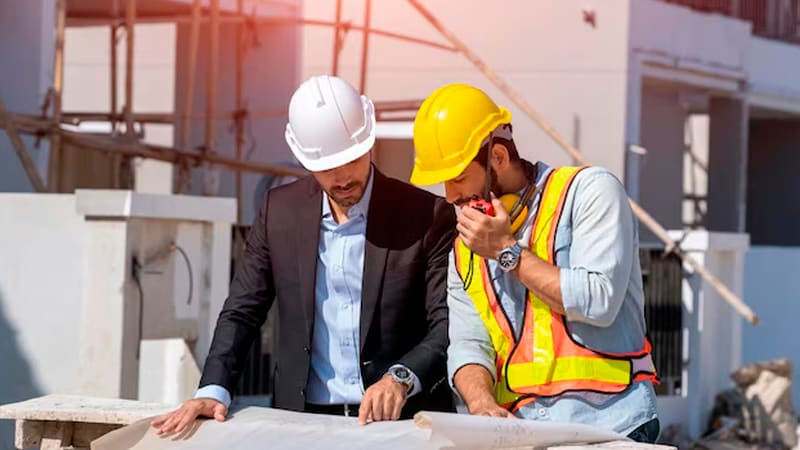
{"x":255,"y":427}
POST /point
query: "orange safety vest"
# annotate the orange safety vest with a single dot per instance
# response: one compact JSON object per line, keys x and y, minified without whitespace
{"x":545,"y":361}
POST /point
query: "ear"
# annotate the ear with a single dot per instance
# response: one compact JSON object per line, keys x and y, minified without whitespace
{"x":500,"y":158}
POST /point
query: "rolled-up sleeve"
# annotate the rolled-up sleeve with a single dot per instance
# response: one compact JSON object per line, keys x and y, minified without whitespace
{"x":601,"y":254}
{"x":469,"y":340}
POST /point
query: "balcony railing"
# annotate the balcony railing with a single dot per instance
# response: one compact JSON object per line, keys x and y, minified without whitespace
{"x":776,"y":19}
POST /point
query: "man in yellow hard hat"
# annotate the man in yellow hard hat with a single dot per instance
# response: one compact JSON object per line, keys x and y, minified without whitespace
{"x":545,"y":292}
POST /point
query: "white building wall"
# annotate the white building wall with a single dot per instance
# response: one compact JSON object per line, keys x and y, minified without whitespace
{"x":574,"y":74}
{"x":40,"y":295}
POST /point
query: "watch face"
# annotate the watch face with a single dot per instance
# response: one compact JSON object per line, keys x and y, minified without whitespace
{"x":401,"y":373}
{"x":507,"y":260}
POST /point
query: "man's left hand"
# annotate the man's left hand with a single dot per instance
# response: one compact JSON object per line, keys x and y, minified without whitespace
{"x":485,"y":235}
{"x":382,"y":401}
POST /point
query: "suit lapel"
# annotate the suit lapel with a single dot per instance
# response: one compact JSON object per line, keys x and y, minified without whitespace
{"x":375,"y":253}
{"x":307,"y":243}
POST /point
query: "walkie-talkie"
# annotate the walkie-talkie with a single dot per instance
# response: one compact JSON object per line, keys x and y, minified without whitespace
{"x":484,"y":204}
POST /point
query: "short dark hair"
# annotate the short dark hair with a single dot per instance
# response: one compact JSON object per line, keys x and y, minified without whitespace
{"x":513,"y":154}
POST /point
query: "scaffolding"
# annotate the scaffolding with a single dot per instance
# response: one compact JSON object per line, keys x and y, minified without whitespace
{"x":127,"y":146}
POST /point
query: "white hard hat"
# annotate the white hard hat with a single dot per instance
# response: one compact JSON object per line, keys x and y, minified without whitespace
{"x":330,"y":124}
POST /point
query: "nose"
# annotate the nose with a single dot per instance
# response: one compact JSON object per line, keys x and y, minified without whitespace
{"x":451,"y":192}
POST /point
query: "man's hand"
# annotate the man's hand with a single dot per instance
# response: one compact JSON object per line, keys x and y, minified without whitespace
{"x":382,"y":401}
{"x":485,"y":235}
{"x":178,"y":420}
{"x":489,"y":407}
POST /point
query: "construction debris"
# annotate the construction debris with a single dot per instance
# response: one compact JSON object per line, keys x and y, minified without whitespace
{"x":758,"y":411}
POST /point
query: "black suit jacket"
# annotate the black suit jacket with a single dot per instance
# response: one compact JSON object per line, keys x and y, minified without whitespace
{"x":403,"y":301}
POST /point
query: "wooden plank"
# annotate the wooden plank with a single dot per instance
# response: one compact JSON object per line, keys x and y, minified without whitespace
{"x":22,"y":151}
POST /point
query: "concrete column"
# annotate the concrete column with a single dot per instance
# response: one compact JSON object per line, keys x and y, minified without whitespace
{"x":109,"y":314}
{"x":633,"y":156}
{"x":661,"y":182}
{"x":727,"y":164}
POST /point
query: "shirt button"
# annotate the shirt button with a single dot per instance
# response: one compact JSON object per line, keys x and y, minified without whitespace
{"x":302,"y":392}
{"x":306,"y":349}
{"x":542,"y":412}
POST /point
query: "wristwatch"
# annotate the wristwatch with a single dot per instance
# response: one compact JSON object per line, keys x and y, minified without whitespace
{"x":402,"y":375}
{"x":508,"y":259}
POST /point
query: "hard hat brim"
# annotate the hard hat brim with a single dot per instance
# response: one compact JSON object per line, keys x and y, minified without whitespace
{"x":421,"y":177}
{"x":336,"y":160}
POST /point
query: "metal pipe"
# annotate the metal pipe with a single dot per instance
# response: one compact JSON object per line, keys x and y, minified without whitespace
{"x":337,"y":38}
{"x":113,"y":68}
{"x":365,"y":46}
{"x":117,"y":161}
{"x":211,"y":89}
{"x":130,"y":23}
{"x":239,"y":125}
{"x":54,"y":161}
{"x":194,"y":43}
{"x":33,"y":125}
{"x":88,"y":20}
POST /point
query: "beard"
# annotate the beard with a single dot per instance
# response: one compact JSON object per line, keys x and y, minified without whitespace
{"x":347,"y":195}
{"x":494,"y":186}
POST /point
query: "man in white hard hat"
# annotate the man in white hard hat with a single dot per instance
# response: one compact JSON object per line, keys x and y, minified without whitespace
{"x":358,"y":264}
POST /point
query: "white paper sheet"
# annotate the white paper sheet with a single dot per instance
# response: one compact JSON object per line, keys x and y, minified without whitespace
{"x":254,"y":428}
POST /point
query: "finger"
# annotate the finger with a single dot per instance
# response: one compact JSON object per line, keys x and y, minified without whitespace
{"x":185,"y":420}
{"x":464,"y":232}
{"x":365,"y":408}
{"x":158,"y":421}
{"x":220,"y":412}
{"x":398,"y":408}
{"x":499,"y":210}
{"x":168,"y":425}
{"x":387,"y":413}
{"x":466,"y":222}
{"x":377,"y":409}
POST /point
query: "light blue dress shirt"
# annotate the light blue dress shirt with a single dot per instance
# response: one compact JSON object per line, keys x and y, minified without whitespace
{"x":335,"y":375}
{"x":601,"y":286}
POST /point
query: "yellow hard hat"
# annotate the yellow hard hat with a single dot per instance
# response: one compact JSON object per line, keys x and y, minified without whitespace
{"x":448,"y":131}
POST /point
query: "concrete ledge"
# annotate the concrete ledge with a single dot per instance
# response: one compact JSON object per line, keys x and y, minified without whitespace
{"x":128,"y":204}
{"x":76,"y":408}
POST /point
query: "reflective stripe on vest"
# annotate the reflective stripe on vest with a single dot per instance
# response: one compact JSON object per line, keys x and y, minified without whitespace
{"x":545,"y":360}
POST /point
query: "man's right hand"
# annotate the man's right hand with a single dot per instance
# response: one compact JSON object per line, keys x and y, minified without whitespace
{"x":489,"y":408}
{"x":474,"y":384}
{"x":176,"y":421}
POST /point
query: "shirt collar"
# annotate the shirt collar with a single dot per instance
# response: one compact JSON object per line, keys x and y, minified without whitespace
{"x":359,"y":209}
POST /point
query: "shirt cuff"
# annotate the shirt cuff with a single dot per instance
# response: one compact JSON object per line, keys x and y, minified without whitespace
{"x":417,"y":384}
{"x":457,"y":359}
{"x":216,"y":392}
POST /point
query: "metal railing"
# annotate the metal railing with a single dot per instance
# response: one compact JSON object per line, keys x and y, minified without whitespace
{"x":663,"y":309}
{"x":777,"y":19}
